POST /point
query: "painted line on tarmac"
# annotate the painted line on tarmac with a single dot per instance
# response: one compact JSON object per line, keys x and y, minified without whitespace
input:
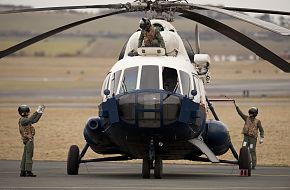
{"x":154,"y":187}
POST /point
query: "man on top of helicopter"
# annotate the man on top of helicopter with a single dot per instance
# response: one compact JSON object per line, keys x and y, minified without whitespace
{"x":150,"y":35}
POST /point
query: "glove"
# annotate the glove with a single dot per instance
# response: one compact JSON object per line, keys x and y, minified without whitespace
{"x":261,"y":140}
{"x":40,"y":109}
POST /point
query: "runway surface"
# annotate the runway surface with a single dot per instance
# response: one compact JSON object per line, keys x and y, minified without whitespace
{"x":52,"y":175}
{"x":215,"y":88}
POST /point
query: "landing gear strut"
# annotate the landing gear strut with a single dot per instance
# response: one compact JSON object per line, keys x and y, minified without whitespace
{"x":152,"y":161}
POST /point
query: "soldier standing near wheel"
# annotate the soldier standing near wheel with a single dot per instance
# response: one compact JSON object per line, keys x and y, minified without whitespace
{"x":27,"y":133}
{"x":250,"y":131}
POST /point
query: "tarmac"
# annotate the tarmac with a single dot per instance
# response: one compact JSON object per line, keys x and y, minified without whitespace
{"x":127,"y":175}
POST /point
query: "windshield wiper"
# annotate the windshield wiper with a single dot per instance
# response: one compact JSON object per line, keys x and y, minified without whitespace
{"x":124,"y":87}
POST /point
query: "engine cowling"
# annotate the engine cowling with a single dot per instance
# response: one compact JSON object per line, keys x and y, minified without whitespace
{"x":217,"y":137}
{"x":93,"y":130}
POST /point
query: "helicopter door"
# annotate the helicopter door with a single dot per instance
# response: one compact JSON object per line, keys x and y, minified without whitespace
{"x":186,"y":83}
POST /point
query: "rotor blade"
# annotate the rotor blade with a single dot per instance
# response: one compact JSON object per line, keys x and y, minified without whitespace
{"x":197,"y":42}
{"x":260,"y":23}
{"x":52,"y":32}
{"x":256,"y":10}
{"x":109,"y":6}
{"x":240,"y":38}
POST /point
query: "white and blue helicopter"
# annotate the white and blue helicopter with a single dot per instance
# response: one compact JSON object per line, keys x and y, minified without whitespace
{"x":154,"y":105}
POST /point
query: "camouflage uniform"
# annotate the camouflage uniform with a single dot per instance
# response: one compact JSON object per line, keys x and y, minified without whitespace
{"x":250,"y":131}
{"x":151,"y":38}
{"x":27,"y":133}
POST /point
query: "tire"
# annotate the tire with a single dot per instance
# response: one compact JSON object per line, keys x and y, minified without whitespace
{"x":73,"y":160}
{"x":245,"y":161}
{"x":146,"y":168}
{"x":158,"y":167}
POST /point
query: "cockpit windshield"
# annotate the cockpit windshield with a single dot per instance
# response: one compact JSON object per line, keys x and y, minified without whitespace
{"x":149,"y":77}
{"x":129,"y":80}
{"x":115,"y":81}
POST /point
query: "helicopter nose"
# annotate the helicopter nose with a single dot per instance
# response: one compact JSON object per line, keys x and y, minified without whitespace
{"x":149,"y":109}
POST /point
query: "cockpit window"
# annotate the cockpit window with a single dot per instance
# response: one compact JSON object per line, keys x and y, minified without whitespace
{"x":149,"y":77}
{"x":115,"y":81}
{"x":170,"y":80}
{"x":185,"y":81}
{"x":129,"y":80}
{"x":105,"y":84}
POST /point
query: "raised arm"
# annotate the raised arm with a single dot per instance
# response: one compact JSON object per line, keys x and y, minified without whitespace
{"x":32,"y":119}
{"x":243,"y":116}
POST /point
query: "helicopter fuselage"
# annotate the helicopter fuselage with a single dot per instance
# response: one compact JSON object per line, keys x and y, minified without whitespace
{"x":152,"y":101}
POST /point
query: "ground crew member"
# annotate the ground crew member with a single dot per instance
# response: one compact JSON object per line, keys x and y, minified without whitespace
{"x":27,"y":133}
{"x":150,"y":35}
{"x":250,"y":131}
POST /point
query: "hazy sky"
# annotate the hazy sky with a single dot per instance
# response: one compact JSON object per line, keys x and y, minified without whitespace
{"x":283,"y":5}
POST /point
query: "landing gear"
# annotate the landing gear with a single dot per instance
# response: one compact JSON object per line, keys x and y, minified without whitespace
{"x":146,"y":168}
{"x":245,"y":162}
{"x":73,"y":160}
{"x":158,"y":167}
{"x":152,"y":161}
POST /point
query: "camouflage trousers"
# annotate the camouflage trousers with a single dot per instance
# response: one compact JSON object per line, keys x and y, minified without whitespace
{"x":251,"y":143}
{"x":26,"y":162}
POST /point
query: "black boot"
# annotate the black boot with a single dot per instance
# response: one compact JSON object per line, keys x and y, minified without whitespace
{"x":23,"y":173}
{"x":30,"y":174}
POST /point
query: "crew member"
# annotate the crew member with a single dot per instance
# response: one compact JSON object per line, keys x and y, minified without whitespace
{"x":250,"y":131}
{"x":150,"y":35}
{"x":27,"y":133}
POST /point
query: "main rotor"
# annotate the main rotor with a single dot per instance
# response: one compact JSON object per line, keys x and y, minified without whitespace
{"x":166,"y":9}
{"x":158,"y":9}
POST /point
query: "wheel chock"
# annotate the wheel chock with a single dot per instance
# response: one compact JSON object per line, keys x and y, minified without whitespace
{"x":244,"y":172}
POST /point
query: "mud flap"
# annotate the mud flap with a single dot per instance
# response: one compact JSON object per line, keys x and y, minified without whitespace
{"x":204,"y":148}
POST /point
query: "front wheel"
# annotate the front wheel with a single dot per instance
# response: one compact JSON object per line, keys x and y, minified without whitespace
{"x":146,"y":168}
{"x":158,"y":167}
{"x":245,"y":161}
{"x":73,"y":160}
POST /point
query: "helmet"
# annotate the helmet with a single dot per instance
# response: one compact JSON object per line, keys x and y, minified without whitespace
{"x":253,"y":111}
{"x":23,"y":110}
{"x":144,"y":23}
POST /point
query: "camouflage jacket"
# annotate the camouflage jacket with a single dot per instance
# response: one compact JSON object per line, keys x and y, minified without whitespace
{"x":152,"y":38}
{"x":251,"y":126}
{"x":26,"y":129}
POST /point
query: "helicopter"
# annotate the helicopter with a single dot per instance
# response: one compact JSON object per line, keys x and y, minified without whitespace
{"x":154,"y":104}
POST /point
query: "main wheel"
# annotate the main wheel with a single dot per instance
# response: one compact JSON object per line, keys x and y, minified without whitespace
{"x":158,"y":167}
{"x":245,"y":161}
{"x":146,"y":168}
{"x":73,"y":160}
